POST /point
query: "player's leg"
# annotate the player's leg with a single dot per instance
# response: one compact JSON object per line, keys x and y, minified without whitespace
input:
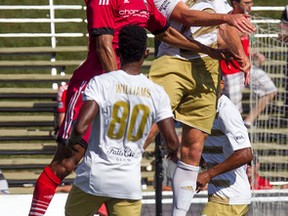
{"x":124,"y":207}
{"x":175,"y":77}
{"x":80,"y":203}
{"x":197,"y":115}
{"x":196,"y":112}
{"x":185,"y":177}
{"x":264,"y":88}
{"x":63,"y":162}
{"x":61,"y":166}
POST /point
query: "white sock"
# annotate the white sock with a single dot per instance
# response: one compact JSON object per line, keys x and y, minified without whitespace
{"x":184,"y":187}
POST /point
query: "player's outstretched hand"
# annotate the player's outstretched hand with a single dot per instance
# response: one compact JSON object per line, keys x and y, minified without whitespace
{"x":242,"y":23}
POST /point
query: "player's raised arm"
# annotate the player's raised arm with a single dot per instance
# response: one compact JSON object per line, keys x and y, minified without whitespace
{"x":175,"y":38}
{"x":184,"y":15}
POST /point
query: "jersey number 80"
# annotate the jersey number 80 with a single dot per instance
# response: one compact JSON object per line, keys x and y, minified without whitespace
{"x":139,"y":111}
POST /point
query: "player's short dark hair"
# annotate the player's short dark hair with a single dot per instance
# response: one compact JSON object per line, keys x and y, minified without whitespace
{"x":132,"y":43}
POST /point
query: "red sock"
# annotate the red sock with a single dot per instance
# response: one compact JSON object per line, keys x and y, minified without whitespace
{"x":103,"y":210}
{"x":44,"y":191}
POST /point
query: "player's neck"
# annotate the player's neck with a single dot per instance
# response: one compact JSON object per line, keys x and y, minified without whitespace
{"x":132,"y":68}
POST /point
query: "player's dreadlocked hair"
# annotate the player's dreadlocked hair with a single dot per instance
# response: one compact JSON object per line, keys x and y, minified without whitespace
{"x":132,"y":43}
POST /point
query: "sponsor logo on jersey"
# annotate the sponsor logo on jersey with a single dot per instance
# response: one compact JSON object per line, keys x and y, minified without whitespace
{"x":103,"y":2}
{"x":139,"y":13}
{"x":126,"y":2}
{"x":239,"y":137}
{"x":125,"y":152}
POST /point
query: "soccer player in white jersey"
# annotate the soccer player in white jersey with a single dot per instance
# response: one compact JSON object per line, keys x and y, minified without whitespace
{"x":122,"y":106}
{"x":191,"y":81}
{"x":226,"y":152}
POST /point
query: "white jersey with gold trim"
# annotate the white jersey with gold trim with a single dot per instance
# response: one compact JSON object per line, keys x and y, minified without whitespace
{"x":128,"y":105}
{"x":228,"y":135}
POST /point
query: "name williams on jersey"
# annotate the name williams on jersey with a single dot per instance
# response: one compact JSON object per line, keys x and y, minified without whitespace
{"x":133,"y":90}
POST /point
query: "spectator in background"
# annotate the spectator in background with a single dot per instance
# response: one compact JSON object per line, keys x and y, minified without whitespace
{"x":226,"y":152}
{"x":123,"y":105}
{"x":4,"y":187}
{"x":260,"y":83}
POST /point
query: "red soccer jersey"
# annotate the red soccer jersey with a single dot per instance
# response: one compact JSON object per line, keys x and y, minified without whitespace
{"x":108,"y":17}
{"x":228,"y":67}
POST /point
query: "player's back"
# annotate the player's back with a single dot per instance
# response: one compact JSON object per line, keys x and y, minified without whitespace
{"x":128,"y":105}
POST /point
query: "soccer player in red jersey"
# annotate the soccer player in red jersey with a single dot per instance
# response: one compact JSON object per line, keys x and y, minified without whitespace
{"x":105,"y":19}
